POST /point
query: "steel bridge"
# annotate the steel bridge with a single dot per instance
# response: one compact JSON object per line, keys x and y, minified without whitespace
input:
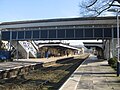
{"x":60,"y":29}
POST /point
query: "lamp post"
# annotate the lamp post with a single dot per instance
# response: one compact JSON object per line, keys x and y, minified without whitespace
{"x":118,"y":43}
{"x":0,"y":33}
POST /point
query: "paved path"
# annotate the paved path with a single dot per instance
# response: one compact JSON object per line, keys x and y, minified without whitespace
{"x":93,"y":74}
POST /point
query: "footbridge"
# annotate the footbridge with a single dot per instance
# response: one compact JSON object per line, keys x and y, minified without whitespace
{"x":57,"y":29}
{"x":90,"y":28}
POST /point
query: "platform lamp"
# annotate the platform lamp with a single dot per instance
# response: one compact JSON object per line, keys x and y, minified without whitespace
{"x":118,"y":44}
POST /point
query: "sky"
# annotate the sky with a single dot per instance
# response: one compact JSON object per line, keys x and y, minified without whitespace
{"x":19,"y":10}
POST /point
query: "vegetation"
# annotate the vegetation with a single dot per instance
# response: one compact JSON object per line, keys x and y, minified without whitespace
{"x":113,"y":62}
{"x":96,"y":7}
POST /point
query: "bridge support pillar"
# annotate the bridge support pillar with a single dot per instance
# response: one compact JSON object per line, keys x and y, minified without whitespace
{"x":118,"y":68}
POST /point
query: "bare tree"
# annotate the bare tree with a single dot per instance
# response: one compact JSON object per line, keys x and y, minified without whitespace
{"x":96,"y":7}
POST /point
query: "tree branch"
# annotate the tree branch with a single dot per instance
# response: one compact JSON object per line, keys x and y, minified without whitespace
{"x":93,"y":8}
{"x":116,"y":5}
{"x":91,"y":4}
{"x":111,"y":4}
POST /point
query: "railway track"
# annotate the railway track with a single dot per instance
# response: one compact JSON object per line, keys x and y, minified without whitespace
{"x":50,"y":75}
{"x":65,"y":65}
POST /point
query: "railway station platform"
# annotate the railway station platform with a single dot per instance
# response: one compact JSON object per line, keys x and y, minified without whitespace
{"x":93,"y":74}
{"x":23,"y":66}
{"x":52,"y":59}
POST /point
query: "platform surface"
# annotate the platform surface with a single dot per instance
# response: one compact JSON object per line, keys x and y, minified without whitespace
{"x":93,"y":74}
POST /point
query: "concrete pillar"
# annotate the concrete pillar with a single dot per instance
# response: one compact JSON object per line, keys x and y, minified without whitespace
{"x":110,"y":48}
{"x":107,"y":49}
{"x":113,"y":45}
{"x":17,"y":50}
